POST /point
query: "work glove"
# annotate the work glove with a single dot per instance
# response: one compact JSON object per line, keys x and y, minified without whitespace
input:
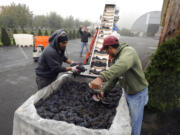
{"x":74,"y":69}
{"x":78,"y":69}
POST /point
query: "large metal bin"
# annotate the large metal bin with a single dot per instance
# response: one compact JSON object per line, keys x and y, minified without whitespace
{"x":28,"y":122}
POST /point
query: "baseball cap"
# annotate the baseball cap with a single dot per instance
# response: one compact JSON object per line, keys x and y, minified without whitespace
{"x":110,"y":40}
{"x":62,"y":38}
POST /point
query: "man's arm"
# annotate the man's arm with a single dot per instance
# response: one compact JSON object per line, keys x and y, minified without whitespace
{"x":80,"y":30}
{"x":68,"y":61}
{"x":109,"y":85}
{"x":124,"y":63}
{"x":54,"y":65}
{"x":97,"y":84}
{"x":68,"y":68}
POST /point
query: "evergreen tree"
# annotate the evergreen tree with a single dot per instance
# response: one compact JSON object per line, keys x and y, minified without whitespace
{"x":74,"y":34}
{"x":52,"y":31}
{"x":5,"y":37}
{"x":46,"y":33}
{"x":163,"y":75}
{"x":39,"y":32}
{"x":23,"y":31}
{"x":14,"y":43}
{"x":15,"y":31}
{"x":70,"y":35}
{"x":78,"y":34}
{"x":32,"y":32}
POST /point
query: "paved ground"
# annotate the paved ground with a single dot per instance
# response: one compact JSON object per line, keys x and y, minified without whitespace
{"x":17,"y":77}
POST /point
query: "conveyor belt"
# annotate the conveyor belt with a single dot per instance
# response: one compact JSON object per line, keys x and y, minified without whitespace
{"x":106,"y":28}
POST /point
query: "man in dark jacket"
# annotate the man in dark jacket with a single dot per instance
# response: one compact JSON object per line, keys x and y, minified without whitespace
{"x":84,"y":39}
{"x":52,"y":58}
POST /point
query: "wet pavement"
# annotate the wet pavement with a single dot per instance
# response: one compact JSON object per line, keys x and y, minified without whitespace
{"x":17,"y":77}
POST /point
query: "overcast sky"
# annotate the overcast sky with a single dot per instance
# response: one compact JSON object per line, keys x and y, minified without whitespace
{"x":91,"y":10}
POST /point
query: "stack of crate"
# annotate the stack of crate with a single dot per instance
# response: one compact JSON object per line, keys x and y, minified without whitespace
{"x":99,"y":59}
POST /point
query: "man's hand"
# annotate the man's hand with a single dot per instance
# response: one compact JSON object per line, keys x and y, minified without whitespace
{"x":97,"y":97}
{"x":96,"y":83}
{"x":78,"y":69}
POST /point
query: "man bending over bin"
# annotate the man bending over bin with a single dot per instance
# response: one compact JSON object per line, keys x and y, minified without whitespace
{"x":126,"y":70}
{"x":52,"y":58}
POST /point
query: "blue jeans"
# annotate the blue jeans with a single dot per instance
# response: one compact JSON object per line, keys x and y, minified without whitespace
{"x":136,"y":105}
{"x":83,"y":44}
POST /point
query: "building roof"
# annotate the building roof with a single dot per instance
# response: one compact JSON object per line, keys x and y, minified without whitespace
{"x":141,"y":24}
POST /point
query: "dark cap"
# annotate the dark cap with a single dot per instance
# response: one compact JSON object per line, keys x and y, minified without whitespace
{"x":63,"y":38}
{"x":110,"y":40}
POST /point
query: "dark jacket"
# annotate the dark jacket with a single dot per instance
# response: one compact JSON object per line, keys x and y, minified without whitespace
{"x":52,"y":58}
{"x":84,"y":35}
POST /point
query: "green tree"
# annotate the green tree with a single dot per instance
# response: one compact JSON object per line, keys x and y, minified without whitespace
{"x":55,"y":21}
{"x":69,"y":23}
{"x":39,"y":32}
{"x":15,"y":15}
{"x":32,"y":32}
{"x":74,"y":34}
{"x":14,"y":43}
{"x":86,"y":23}
{"x":46,"y":33}
{"x":78,"y":34}
{"x":163,"y":75}
{"x":40,"y":21}
{"x":23,"y":30}
{"x":52,"y":31}
{"x":15,"y":31}
{"x":70,"y":35}
{"x":77,"y":23}
{"x":5,"y":37}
